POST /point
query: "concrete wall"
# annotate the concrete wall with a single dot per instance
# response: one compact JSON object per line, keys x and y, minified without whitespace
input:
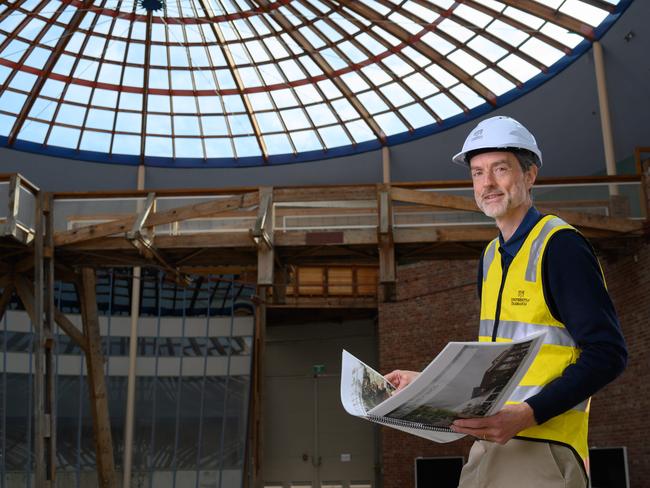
{"x":563,"y":113}
{"x":437,"y":302}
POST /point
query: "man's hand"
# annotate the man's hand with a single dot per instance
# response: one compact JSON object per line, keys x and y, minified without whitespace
{"x":400,"y":378}
{"x":500,"y":427}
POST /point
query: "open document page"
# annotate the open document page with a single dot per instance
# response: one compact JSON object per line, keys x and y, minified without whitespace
{"x":467,"y":379}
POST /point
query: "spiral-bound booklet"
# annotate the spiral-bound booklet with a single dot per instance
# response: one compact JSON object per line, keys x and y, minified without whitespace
{"x":466,"y":380}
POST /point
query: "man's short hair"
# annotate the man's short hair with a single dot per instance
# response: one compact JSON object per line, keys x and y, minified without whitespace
{"x":525,"y":157}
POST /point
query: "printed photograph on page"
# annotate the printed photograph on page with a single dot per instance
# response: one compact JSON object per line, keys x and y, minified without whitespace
{"x":469,"y":387}
{"x":362,"y":388}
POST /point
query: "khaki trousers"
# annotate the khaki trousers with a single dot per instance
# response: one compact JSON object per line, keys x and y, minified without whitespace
{"x":520,"y":463}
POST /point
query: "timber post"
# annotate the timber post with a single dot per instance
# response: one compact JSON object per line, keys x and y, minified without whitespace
{"x":42,"y":318}
{"x":96,"y":382}
{"x":386,"y":243}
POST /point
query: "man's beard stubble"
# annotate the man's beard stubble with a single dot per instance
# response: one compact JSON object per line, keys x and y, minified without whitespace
{"x":518,"y":196}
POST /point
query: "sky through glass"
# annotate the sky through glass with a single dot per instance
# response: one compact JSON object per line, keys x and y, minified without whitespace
{"x":253,"y":82}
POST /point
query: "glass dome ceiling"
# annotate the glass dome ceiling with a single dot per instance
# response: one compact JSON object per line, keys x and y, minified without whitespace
{"x":254,"y":82}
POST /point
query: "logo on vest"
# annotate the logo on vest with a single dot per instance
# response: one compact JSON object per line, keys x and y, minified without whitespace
{"x":520,"y":299}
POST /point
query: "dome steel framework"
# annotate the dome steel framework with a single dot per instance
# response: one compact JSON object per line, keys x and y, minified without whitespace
{"x":253,"y":82}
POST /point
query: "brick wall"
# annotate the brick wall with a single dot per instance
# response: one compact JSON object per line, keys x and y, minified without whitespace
{"x":619,"y":412}
{"x":437,"y":302}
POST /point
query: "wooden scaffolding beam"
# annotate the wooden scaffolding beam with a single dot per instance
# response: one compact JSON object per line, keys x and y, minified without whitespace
{"x":386,"y":243}
{"x":262,"y":235}
{"x":44,"y":269}
{"x":7,"y":293}
{"x":580,"y":219}
{"x":125,"y":225}
{"x":37,"y":297}
{"x":256,"y":456}
{"x":96,"y":381}
{"x":44,"y":414}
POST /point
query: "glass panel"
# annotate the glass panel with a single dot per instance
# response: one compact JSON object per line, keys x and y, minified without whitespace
{"x":494,"y":81}
{"x":487,"y":48}
{"x":202,"y":66}
{"x":190,"y":424}
{"x":541,"y":51}
{"x":519,"y":68}
{"x":6,"y":124}
{"x":583,"y":11}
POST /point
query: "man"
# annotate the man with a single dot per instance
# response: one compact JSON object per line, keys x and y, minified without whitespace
{"x":538,"y":274}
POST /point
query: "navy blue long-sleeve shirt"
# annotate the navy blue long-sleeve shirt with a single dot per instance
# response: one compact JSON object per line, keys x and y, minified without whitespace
{"x":576,"y":295}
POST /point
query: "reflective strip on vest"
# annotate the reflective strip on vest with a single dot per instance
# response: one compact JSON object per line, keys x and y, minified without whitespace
{"x":558,"y":336}
{"x":485,"y":328}
{"x":516,"y":322}
{"x":535,"y":248}
{"x":488,"y":258}
{"x":522,"y":393}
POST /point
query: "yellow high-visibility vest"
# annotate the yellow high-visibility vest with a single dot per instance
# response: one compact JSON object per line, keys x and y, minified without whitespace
{"x":513,"y":307}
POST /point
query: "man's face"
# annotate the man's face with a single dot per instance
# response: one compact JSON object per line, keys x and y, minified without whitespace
{"x":500,"y":185}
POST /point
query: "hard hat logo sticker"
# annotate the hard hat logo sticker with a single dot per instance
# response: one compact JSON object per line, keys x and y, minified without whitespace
{"x":478,"y":134}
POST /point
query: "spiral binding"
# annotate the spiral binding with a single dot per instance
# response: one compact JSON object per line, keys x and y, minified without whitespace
{"x":407,"y":423}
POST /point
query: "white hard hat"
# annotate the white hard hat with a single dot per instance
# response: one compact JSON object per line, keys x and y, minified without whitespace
{"x":498,"y":133}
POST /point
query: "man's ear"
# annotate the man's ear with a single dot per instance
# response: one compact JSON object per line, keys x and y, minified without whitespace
{"x":530,"y":176}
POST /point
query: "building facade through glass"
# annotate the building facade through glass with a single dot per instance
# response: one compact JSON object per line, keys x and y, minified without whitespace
{"x":192,"y":387}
